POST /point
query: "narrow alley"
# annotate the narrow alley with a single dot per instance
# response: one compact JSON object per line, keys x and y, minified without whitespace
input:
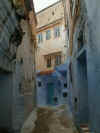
{"x":49,"y":66}
{"x":50,"y":120}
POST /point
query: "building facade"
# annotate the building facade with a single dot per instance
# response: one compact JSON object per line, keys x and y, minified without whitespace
{"x":10,"y":39}
{"x":52,"y":87}
{"x":84,"y":52}
{"x":26,"y":57}
{"x":51,"y":37}
{"x":15,"y":24}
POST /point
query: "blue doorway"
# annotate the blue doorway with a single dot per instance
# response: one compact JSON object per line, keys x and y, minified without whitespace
{"x":50,"y":93}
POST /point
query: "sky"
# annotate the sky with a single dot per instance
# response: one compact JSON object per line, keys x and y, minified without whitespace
{"x":41,"y":4}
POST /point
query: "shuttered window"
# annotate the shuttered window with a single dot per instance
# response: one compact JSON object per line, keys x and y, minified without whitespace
{"x":40,"y":38}
{"x":48,"y":34}
{"x":57,"y":32}
{"x":49,"y":62}
{"x":58,"y":60}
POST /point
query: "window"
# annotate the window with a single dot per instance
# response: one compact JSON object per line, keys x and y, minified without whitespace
{"x":58,"y":60}
{"x":48,"y":34}
{"x":40,"y":38}
{"x":39,"y":84}
{"x":49,"y":62}
{"x":21,"y":61}
{"x":56,"y":32}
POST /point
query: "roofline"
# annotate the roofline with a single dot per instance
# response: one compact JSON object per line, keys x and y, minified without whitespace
{"x":48,"y":7}
{"x":53,"y":53}
{"x":58,"y":21}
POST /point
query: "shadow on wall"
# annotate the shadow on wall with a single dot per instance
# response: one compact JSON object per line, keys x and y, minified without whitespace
{"x":5,"y":101}
{"x":4,"y":130}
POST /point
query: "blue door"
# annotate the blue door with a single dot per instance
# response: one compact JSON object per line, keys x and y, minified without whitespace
{"x":50,"y":93}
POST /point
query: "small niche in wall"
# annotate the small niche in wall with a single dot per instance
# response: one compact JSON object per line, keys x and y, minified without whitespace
{"x":21,"y":91}
{"x":39,"y":83}
{"x":21,"y":60}
{"x":55,"y":99}
{"x":65,"y":94}
{"x":65,"y":85}
{"x":75,"y":100}
{"x":76,"y":104}
{"x":53,"y":13}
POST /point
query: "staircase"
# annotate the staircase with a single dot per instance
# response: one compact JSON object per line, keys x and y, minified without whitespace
{"x":84,"y":128}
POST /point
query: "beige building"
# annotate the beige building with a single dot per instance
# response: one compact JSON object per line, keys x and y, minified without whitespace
{"x":51,"y":37}
{"x":26,"y":57}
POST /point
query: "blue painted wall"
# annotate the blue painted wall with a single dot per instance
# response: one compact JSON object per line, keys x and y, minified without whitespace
{"x":86,"y":74}
{"x":58,"y":81}
{"x":79,"y":72}
{"x":5,"y":100}
{"x":11,"y":102}
{"x":93,"y":57}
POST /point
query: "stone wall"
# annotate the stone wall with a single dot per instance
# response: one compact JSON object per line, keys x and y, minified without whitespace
{"x":10,"y":38}
{"x":25,"y":56}
{"x":7,"y":19}
{"x":12,"y":71}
